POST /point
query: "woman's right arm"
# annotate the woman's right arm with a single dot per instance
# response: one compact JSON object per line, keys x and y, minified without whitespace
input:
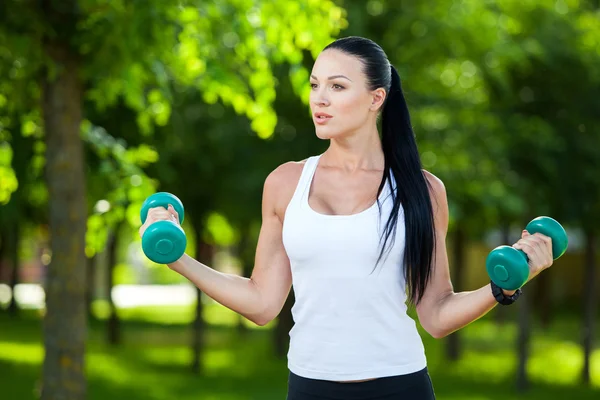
{"x":259,"y":298}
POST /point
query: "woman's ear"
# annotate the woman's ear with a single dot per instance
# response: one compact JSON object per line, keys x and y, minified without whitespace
{"x":377,"y":99}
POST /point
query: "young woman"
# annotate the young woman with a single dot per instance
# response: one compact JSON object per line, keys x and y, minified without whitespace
{"x":358,"y":232}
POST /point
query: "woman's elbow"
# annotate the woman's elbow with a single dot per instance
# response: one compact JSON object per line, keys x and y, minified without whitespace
{"x":437,"y":332}
{"x":431,"y":324}
{"x":263,"y":318}
{"x":430,"y":314}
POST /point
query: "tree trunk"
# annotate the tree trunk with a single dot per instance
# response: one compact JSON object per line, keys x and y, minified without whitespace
{"x":589,"y":304}
{"x":16,"y":210}
{"x":500,"y":312}
{"x":113,"y":325}
{"x":198,"y":335}
{"x":523,"y":343}
{"x":4,"y":273}
{"x":91,"y":285}
{"x":2,"y":255}
{"x":247,"y":265}
{"x":15,"y":236}
{"x":543,"y":299}
{"x":65,"y":324}
{"x":204,"y":255}
{"x":453,"y":340}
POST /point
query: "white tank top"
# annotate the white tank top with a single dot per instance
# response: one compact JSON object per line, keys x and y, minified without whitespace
{"x":350,"y":319}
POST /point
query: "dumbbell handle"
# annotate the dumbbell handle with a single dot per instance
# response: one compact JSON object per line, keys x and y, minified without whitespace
{"x":162,"y":199}
{"x":553,"y":229}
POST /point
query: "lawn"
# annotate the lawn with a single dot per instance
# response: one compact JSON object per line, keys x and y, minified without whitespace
{"x":152,"y":362}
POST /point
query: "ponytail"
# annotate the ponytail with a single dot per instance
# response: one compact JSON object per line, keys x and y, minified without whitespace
{"x":412,"y":192}
{"x":403,"y":162}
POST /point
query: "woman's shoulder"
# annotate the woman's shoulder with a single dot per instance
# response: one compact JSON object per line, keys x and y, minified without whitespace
{"x":435,"y":183}
{"x":439,"y":197}
{"x":281,"y":183}
{"x":286,"y":173}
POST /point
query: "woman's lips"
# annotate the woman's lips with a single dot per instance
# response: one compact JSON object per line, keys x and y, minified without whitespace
{"x":321,"y":118}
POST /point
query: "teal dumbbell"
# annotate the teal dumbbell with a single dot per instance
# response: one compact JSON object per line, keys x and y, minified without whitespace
{"x":163,"y":242}
{"x":508,"y":267}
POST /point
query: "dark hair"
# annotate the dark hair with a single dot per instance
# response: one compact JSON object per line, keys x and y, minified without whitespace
{"x":402,"y":158}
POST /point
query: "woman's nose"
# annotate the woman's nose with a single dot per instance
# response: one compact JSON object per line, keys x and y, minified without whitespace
{"x":321,"y":101}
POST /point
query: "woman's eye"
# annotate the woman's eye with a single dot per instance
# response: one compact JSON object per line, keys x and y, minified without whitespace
{"x":334,"y":86}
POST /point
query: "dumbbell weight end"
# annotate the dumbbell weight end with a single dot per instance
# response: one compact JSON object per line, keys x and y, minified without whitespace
{"x":507,"y":267}
{"x":164,"y":242}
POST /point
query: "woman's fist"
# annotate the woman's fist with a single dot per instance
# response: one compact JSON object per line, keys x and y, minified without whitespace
{"x":159,"y":214}
{"x":538,"y":249}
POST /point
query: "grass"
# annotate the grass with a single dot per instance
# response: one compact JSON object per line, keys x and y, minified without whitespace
{"x":152,"y":362}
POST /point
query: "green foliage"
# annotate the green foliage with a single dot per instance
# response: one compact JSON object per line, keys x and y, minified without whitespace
{"x":123,"y":182}
{"x":134,"y":51}
{"x":486,"y":82}
{"x":20,"y":58}
{"x":553,"y":106}
{"x":124,"y":275}
{"x":141,"y":54}
{"x":219,"y":232}
{"x":8,"y":180}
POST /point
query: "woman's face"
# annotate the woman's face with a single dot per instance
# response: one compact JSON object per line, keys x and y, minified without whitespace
{"x":340,"y":101}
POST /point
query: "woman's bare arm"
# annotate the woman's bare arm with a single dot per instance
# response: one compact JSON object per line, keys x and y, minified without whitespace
{"x":259,"y":298}
{"x":442,"y":311}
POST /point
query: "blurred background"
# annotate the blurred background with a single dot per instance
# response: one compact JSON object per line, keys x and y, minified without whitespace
{"x":103,"y":103}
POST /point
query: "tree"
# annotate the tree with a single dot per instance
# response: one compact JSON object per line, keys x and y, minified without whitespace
{"x":23,"y":208}
{"x":555,"y":114}
{"x":90,"y":50}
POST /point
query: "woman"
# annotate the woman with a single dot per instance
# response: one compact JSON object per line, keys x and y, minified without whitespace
{"x":359,"y":231}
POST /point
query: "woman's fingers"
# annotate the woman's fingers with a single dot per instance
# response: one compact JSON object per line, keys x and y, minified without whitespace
{"x":538,"y":249}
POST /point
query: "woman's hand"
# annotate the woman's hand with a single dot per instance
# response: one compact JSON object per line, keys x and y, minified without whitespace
{"x":538,"y":248}
{"x":159,"y":214}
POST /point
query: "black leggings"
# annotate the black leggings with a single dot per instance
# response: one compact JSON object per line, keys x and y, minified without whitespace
{"x":414,"y":386}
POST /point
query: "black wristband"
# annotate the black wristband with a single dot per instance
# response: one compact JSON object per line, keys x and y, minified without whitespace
{"x":501,"y":297}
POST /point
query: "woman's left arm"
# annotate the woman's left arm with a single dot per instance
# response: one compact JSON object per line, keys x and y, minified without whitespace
{"x":441,"y":311}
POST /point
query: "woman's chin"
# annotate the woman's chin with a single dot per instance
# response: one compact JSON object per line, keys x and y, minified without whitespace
{"x":325,"y":133}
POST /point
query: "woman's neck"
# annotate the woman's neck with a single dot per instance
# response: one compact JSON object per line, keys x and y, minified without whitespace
{"x":361,"y":151}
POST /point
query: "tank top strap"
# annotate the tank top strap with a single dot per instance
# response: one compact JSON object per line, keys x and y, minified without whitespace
{"x":307,"y":176}
{"x":305,"y":179}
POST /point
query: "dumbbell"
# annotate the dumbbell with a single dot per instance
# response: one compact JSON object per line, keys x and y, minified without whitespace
{"x":163,"y":242}
{"x":508,"y":267}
